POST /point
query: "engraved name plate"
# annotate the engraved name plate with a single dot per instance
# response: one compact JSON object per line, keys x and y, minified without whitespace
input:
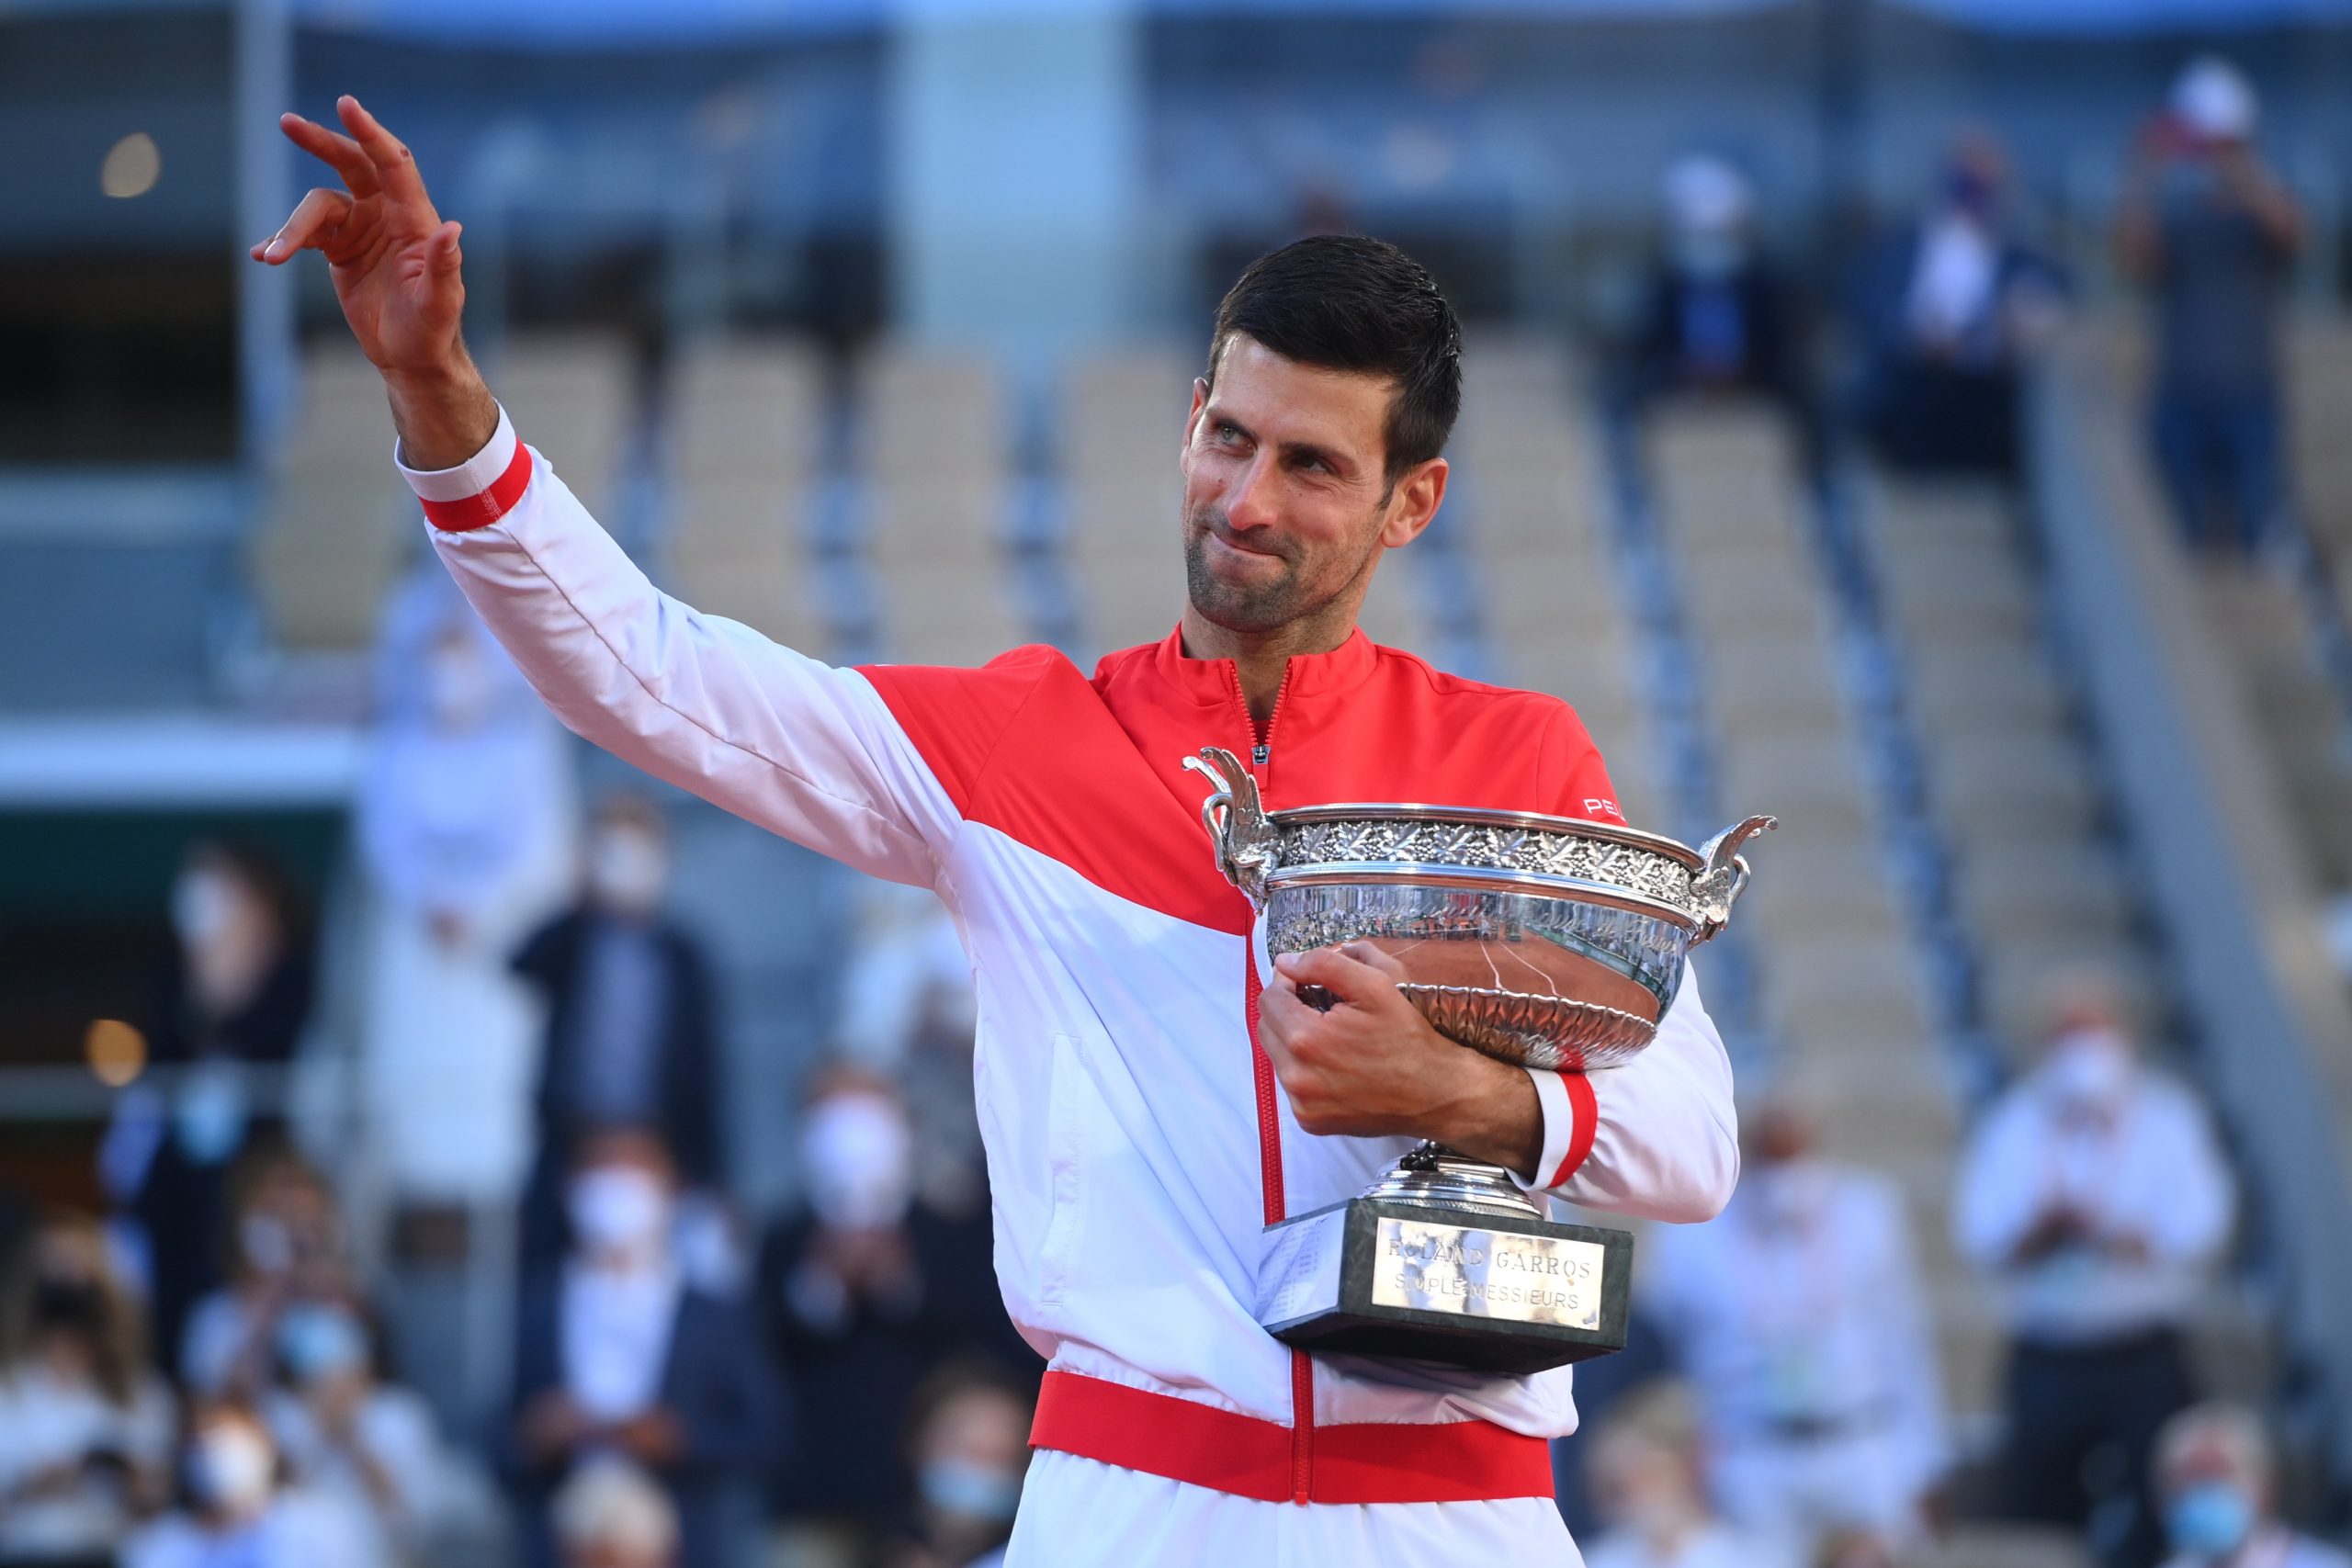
{"x":1438,"y":1267}
{"x":1301,"y":1271}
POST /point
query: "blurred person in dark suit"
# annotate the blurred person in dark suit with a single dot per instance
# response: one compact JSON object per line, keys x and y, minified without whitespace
{"x":630,"y":1035}
{"x":619,"y":1356}
{"x":2215,"y":1474}
{"x":1716,"y":315}
{"x":86,"y":1424}
{"x":1947,"y":310}
{"x":2212,"y":232}
{"x":863,"y":1290}
{"x":2094,"y":1193}
{"x":969,"y":1448}
{"x":613,"y":1515}
{"x":238,"y":996}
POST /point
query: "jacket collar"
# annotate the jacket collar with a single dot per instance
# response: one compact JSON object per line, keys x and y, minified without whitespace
{"x":1309,"y":675}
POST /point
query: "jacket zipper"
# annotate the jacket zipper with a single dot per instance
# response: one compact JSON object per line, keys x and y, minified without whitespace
{"x":1270,"y":1129}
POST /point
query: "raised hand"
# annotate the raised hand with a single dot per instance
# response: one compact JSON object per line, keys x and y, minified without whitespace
{"x":394,"y":261}
{"x":395,"y":264}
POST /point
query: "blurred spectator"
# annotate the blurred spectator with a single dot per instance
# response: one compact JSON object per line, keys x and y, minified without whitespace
{"x":907,"y":1014}
{"x":343,"y":1432}
{"x":465,"y":836}
{"x":1949,"y":307}
{"x":864,"y":1292}
{"x":1648,"y":1358}
{"x":619,"y":1356}
{"x":289,"y":1249}
{"x":2213,"y":1470}
{"x":236,"y":1513}
{"x":612,"y":1515}
{"x":1645,"y":1474}
{"x":1802,"y":1327}
{"x":86,"y":1427}
{"x":631,"y":1037}
{"x":237,"y":996}
{"x":2094,"y":1191}
{"x":969,"y":1449}
{"x":2212,"y":232}
{"x":1717,"y":316}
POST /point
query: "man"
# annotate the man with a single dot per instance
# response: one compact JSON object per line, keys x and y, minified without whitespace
{"x":2214,"y":1468}
{"x":1801,"y":1320}
{"x":2212,"y":232}
{"x":619,"y":1356}
{"x":2094,"y":1192}
{"x":630,"y":1035}
{"x":1148,"y":1101}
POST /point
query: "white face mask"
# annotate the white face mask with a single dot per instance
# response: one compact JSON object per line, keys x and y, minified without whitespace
{"x":202,"y":906}
{"x":626,"y":870}
{"x":232,"y":1467}
{"x":857,"y":1157}
{"x":618,"y":1209}
{"x":2091,"y":1068}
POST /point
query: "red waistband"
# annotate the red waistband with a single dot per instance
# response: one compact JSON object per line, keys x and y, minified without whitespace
{"x":1373,"y":1462}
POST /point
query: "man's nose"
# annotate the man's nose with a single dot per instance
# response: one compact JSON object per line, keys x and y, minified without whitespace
{"x":1249,"y":501}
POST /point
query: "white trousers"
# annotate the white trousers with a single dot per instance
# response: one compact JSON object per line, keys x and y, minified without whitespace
{"x":1081,"y":1513}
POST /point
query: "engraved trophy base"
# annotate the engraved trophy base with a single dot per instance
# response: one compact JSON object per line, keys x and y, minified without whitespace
{"x":1445,"y":1260}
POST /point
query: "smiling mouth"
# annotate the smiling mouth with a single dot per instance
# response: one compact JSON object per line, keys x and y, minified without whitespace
{"x":1241,"y":549}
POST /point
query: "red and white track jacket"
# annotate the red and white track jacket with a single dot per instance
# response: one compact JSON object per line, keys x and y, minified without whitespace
{"x":1138,"y":1141}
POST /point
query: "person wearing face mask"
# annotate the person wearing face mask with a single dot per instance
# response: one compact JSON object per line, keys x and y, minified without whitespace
{"x":2212,"y":233}
{"x":863,"y":1290}
{"x":618,"y":1355}
{"x":236,"y":1511}
{"x":343,"y":1432}
{"x":286,"y":1249}
{"x":1949,"y":307}
{"x":1800,"y":1321}
{"x":1648,"y":1480}
{"x":237,"y":998}
{"x":2214,"y":1474}
{"x":85,"y":1429}
{"x":969,"y":1446}
{"x":1716,"y":315}
{"x":464,"y":833}
{"x":631,"y":1032}
{"x":2094,"y":1193}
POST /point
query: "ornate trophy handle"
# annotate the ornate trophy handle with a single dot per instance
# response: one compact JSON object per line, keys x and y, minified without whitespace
{"x":1717,"y":885}
{"x":1243,"y":837}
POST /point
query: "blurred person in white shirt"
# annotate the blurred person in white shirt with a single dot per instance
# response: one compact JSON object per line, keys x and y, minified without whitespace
{"x":85,"y":1429}
{"x":613,"y":1515}
{"x":343,"y":1431}
{"x":2214,"y":1473}
{"x":237,"y":1512}
{"x":1648,"y":1477}
{"x":2095,"y":1194}
{"x":1800,"y":1321}
{"x":286,"y":1246}
{"x":465,"y":829}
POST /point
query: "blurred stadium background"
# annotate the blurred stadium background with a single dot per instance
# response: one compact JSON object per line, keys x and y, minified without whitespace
{"x":872,"y":324}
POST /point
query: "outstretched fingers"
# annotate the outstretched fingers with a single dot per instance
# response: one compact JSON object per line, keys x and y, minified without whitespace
{"x":318,"y":213}
{"x":394,"y":163}
{"x":341,"y":152}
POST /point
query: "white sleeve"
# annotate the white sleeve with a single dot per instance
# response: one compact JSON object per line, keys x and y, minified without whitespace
{"x":2002,"y":1185}
{"x":794,"y":744}
{"x":2191,"y":1222}
{"x":1656,"y":1137}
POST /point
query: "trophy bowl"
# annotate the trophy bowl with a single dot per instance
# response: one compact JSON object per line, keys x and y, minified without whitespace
{"x":1545,"y":941}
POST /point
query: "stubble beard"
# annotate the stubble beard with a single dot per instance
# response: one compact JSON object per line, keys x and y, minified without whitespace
{"x":1239,"y":608}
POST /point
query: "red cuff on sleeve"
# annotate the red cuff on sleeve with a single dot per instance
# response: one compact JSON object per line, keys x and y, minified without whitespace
{"x":479,"y":510}
{"x":1588,"y":1121}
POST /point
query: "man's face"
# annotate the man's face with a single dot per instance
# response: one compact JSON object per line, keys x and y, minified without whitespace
{"x":1287,"y":497}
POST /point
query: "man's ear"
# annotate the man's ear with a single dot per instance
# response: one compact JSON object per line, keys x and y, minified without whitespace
{"x":1192,"y":419}
{"x":1417,"y":496}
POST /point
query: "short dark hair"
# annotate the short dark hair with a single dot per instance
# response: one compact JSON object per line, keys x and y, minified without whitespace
{"x":1348,"y":302}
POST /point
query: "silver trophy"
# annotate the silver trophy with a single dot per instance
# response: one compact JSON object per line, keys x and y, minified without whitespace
{"x":1543,"y":941}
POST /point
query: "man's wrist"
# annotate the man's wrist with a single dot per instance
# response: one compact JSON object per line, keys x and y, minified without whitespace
{"x":444,"y":413}
{"x":1499,"y":1119}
